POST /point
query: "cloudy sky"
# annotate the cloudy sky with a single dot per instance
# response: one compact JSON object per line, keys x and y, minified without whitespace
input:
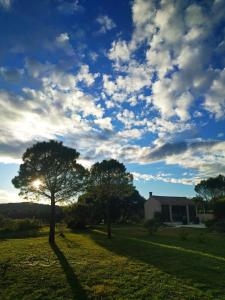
{"x":141,"y":81}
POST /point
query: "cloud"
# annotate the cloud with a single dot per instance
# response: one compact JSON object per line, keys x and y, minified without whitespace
{"x":165,"y":178}
{"x":69,"y":8}
{"x":215,"y":98}
{"x":144,"y":104}
{"x":104,"y":123}
{"x":6,"y":4}
{"x":106,"y":23}
{"x":85,"y":76}
{"x":119,"y":52}
{"x":171,"y":149}
{"x":63,"y":42}
{"x":57,"y":108}
{"x":8,"y":196}
{"x":178,"y":67}
{"x":11,"y":74}
{"x":131,"y":134}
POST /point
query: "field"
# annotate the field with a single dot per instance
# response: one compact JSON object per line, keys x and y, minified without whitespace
{"x":173,"y":264}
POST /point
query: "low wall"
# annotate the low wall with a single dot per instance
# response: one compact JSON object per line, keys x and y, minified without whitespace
{"x":205,"y":217}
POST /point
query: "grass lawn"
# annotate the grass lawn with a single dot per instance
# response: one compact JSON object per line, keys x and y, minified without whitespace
{"x":173,"y":264}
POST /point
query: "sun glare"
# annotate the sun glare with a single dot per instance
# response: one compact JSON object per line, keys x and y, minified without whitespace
{"x":36,"y":183}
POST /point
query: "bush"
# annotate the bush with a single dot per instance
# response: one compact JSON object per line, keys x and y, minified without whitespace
{"x":152,"y":225}
{"x":77,"y":216}
{"x":7,"y":224}
{"x":219,"y":209}
{"x":216,"y":225}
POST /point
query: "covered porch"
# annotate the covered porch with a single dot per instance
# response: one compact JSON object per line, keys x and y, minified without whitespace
{"x":184,"y":214}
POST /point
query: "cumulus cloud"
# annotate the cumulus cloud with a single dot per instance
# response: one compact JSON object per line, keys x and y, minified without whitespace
{"x":63,"y":42}
{"x":165,"y":82}
{"x":178,"y":58}
{"x":104,"y":123}
{"x":106,"y":23}
{"x":58,"y":108}
{"x":215,"y":98}
{"x":85,"y":76}
{"x":119,"y":52}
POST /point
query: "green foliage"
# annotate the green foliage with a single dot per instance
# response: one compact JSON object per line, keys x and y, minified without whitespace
{"x":216,"y":225}
{"x":30,"y":210}
{"x":130,"y":209}
{"x":219,"y":208}
{"x":50,"y":170}
{"x":109,"y":182}
{"x":96,"y":211}
{"x":152,"y":225}
{"x":10,"y":225}
{"x":77,"y":216}
{"x":211,"y":188}
{"x":54,"y":166}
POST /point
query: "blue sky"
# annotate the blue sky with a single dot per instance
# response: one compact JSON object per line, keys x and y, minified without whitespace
{"x":141,"y":81}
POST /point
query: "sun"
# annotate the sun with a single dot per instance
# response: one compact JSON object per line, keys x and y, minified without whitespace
{"x":36,"y":183}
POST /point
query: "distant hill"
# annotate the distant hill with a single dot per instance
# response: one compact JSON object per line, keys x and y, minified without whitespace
{"x":29,"y":210}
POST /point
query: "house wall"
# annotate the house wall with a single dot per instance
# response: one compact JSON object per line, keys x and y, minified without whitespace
{"x":151,"y":206}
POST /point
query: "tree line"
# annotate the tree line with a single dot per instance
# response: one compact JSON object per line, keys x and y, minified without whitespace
{"x":105,"y":192}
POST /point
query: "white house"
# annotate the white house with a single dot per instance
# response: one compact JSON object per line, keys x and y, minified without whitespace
{"x":173,"y":209}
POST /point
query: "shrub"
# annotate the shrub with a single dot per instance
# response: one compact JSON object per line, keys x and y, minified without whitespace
{"x":152,"y":225}
{"x":7,"y":224}
{"x":219,"y":209}
{"x":216,"y":225}
{"x":77,"y":216}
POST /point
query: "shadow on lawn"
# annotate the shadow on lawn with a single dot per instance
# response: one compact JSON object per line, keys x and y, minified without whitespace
{"x":77,"y":290}
{"x":200,"y":269}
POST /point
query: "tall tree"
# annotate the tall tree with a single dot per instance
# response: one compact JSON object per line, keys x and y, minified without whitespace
{"x":50,"y":170}
{"x":109,"y":181}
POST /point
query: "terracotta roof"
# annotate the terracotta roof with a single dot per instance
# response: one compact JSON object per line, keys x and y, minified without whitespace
{"x":172,"y":200}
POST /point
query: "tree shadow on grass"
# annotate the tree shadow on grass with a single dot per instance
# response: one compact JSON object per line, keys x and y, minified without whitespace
{"x":77,"y":290}
{"x":201,"y":270}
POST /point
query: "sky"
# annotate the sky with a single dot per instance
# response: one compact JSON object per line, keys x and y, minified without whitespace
{"x":140,"y":81}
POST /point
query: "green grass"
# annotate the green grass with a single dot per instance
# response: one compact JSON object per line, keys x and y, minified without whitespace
{"x":170,"y":265}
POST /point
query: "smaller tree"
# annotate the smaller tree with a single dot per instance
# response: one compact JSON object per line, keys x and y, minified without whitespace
{"x":50,"y":170}
{"x":198,"y":201}
{"x":110,"y":181}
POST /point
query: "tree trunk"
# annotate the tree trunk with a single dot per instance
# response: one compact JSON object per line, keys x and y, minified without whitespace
{"x":52,"y":221}
{"x":108,"y":215}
